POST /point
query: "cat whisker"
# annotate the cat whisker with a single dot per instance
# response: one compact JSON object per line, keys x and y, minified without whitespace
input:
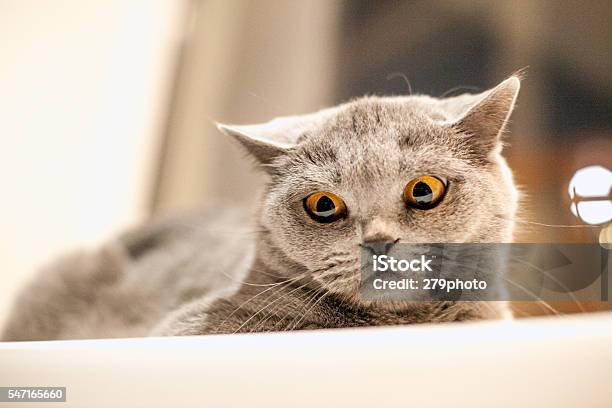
{"x":541,"y":224}
{"x":535,"y":297}
{"x":277,"y":308}
{"x":549,"y":276}
{"x":242,"y":282}
{"x":322,"y":293}
{"x":267,"y":306}
{"x":283,"y":284}
{"x":288,"y":307}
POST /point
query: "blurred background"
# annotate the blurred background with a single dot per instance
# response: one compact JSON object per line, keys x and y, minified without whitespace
{"x":107,"y":107}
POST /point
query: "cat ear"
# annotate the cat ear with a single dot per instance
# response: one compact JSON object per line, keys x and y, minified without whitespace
{"x":267,"y":141}
{"x":485,"y":120}
{"x":257,"y":140}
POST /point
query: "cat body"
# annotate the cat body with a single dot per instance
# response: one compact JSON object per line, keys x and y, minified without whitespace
{"x":336,"y":180}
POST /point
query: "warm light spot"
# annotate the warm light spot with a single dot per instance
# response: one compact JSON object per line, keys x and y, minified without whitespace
{"x":590,"y":191}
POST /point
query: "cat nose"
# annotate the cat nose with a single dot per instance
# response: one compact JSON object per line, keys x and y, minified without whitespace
{"x":379,"y":246}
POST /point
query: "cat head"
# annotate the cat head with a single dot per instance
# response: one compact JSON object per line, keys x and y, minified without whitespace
{"x":382,"y":170}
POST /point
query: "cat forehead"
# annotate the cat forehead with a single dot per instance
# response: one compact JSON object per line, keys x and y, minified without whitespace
{"x":376,"y":126}
{"x":374,"y":113}
{"x":391,"y":121}
{"x":393,"y":108}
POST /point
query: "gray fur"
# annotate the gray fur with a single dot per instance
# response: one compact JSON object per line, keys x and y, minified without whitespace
{"x":213,"y":274}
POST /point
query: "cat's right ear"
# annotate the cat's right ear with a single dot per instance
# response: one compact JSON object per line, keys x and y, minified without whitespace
{"x":257,"y":140}
{"x":267,"y":141}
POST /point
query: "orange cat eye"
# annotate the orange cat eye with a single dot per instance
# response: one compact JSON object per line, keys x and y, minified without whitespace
{"x":325,"y":207}
{"x":424,"y":192}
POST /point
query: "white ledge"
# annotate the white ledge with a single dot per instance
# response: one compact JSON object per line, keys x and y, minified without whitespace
{"x":553,"y":361}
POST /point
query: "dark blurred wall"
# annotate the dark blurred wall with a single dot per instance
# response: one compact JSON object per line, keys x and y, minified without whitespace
{"x":442,"y":45}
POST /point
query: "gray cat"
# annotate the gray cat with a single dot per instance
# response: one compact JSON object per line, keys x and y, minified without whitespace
{"x":365,"y":174}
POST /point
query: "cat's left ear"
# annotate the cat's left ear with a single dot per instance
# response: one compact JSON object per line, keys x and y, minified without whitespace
{"x":483,"y":123}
